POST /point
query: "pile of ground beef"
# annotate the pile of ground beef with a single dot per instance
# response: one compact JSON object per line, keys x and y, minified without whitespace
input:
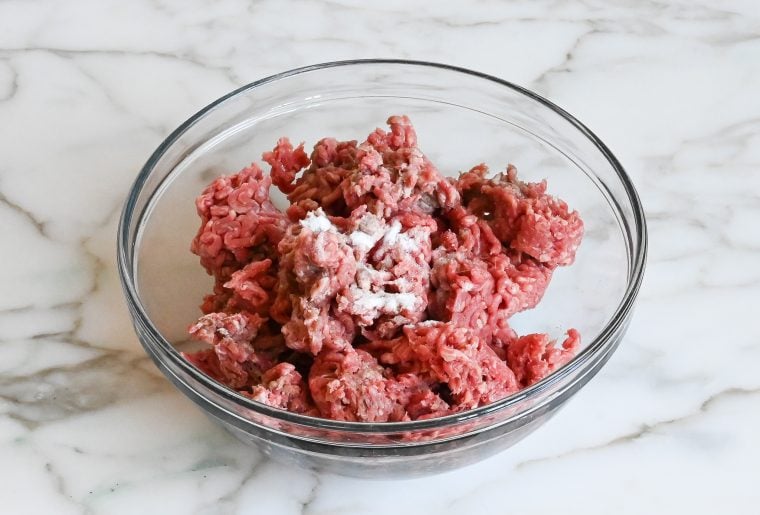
{"x":384,"y":292}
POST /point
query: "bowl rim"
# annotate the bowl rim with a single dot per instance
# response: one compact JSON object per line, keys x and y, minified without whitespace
{"x":637,"y":264}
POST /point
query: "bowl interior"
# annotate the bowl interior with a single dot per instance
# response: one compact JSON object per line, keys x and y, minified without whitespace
{"x":455,"y":135}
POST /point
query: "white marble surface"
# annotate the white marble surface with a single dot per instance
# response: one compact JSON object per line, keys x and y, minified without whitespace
{"x":89,"y":88}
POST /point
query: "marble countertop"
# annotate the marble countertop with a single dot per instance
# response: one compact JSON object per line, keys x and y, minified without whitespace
{"x":89,"y":88}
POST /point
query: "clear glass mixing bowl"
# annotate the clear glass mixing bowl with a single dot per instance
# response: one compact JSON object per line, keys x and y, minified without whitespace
{"x":462,"y":118}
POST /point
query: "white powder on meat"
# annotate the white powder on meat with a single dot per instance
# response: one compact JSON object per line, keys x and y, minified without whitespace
{"x":317,"y":221}
{"x":388,"y":303}
{"x":394,"y":237}
{"x":369,"y":232}
{"x":370,"y":229}
{"x":402,"y":283}
{"x":362,"y":240}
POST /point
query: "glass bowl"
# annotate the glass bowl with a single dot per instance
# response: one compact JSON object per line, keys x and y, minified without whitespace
{"x":462,"y":118}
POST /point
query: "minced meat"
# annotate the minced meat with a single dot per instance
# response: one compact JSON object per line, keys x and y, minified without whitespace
{"x":384,"y":291}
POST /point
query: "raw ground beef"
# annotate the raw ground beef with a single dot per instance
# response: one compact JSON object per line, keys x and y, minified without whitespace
{"x":384,"y":291}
